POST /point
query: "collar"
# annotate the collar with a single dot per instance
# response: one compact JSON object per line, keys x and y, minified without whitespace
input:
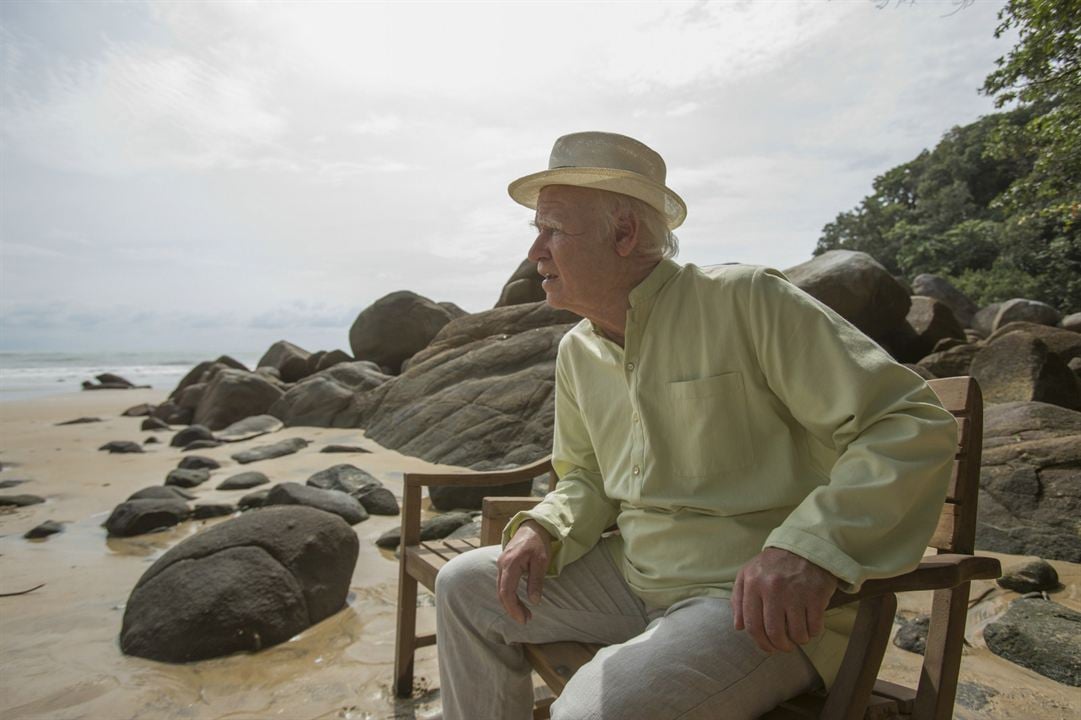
{"x":653,"y":283}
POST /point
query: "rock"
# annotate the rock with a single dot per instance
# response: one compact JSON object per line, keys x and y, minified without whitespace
{"x":952,"y":362}
{"x":234,"y":395}
{"x":203,"y":371}
{"x":435,"y":528}
{"x":161,"y":491}
{"x":1025,"y":310}
{"x":1040,"y":635}
{"x":473,"y":402}
{"x":941,"y":289}
{"x":1033,"y":576}
{"x":291,"y":361}
{"x":974,"y":696}
{"x":187,"y":478}
{"x":912,"y":635}
{"x":20,"y":500}
{"x":212,"y":510}
{"x":112,"y":379}
{"x":153,"y":423}
{"x":1064,"y":343}
{"x":253,"y":500}
{"x":201,"y":445}
{"x":198,"y":462}
{"x":144,"y":515}
{"x":313,"y":362}
{"x":190,"y":434}
{"x":344,"y":506}
{"x":344,"y":478}
{"x":466,"y":532}
{"x":45,"y":529}
{"x":450,"y":497}
{"x":87,"y":385}
{"x":857,"y":287}
{"x":122,"y":446}
{"x":1071,"y":322}
{"x":241,"y":585}
{"x":396,"y":327}
{"x":344,"y":449}
{"x":378,"y":501}
{"x":80,"y":421}
{"x":1030,"y":481}
{"x":151,"y":441}
{"x":250,"y":427}
{"x":949,"y":343}
{"x":931,"y":321}
{"x":243,"y":481}
{"x":190,"y":397}
{"x":173,"y":414}
{"x":983,"y":322}
{"x":5,"y":484}
{"x":140,"y":410}
{"x":274,"y":450}
{"x":524,"y":286}
{"x":314,"y":402}
{"x":1019,"y":367}
{"x":332,"y":358}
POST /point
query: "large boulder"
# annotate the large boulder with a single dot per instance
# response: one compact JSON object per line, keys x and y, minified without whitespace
{"x":332,"y":358}
{"x":931,"y":321}
{"x":1030,"y":481}
{"x":318,"y":399}
{"x":1020,"y":367}
{"x":524,"y":286}
{"x":857,"y":287}
{"x":291,"y":361}
{"x":1020,"y":309}
{"x":234,"y":395}
{"x":483,"y":403}
{"x":1071,"y":322}
{"x":941,"y":289}
{"x":346,"y":507}
{"x":243,"y":585}
{"x":983,"y":322}
{"x":201,"y":373}
{"x":1064,"y":343}
{"x":1040,"y":635}
{"x":396,"y":327}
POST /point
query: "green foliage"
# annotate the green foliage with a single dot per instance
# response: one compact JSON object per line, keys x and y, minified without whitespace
{"x":996,"y":206}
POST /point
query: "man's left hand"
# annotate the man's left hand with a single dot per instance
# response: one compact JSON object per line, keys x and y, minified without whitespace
{"x":780,"y":599}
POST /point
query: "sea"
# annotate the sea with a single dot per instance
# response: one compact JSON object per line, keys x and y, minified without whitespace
{"x":28,"y":375}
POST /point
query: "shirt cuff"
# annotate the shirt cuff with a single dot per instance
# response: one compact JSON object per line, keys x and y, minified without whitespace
{"x":825,"y":555}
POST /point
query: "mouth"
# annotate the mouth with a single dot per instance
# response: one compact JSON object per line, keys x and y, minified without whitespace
{"x":548,"y":278}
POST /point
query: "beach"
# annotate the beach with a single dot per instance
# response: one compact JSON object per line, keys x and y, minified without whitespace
{"x":59,"y":655}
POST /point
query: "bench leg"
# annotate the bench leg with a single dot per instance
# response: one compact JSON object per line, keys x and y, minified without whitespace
{"x":405,"y":643}
{"x":942,"y":657}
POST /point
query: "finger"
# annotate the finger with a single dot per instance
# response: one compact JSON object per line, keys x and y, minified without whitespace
{"x":816,"y":618}
{"x":508,"y":592}
{"x":538,"y":566}
{"x":737,"y":602}
{"x":796,"y":619}
{"x":752,"y":619}
{"x":774,"y":625}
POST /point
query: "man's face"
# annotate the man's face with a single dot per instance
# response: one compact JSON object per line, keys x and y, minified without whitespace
{"x":571,"y":251}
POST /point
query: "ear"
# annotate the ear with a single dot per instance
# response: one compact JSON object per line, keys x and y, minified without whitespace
{"x":626,"y":234}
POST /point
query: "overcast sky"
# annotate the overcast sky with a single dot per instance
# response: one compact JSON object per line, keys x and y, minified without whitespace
{"x":214,"y":176}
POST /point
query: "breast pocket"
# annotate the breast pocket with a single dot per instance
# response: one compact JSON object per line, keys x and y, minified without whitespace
{"x":708,"y":432}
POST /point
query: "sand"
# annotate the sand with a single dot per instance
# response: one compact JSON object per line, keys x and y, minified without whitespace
{"x":59,"y":656}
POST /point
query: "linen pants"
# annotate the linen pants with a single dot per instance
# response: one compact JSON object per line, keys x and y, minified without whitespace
{"x":685,"y":661}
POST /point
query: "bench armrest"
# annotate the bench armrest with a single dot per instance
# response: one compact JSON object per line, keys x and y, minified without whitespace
{"x":935,"y":572}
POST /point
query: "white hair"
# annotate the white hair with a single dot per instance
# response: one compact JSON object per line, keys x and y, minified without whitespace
{"x":654,"y":237}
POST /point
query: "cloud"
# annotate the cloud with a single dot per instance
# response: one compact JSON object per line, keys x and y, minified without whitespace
{"x":377,"y":125}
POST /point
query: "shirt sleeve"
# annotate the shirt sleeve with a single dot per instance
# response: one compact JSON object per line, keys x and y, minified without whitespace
{"x":577,"y":511}
{"x":893,"y":441}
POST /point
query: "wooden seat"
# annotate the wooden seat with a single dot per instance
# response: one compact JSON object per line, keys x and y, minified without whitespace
{"x":856,"y":693}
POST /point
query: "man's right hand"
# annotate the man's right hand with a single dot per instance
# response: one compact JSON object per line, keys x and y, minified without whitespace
{"x":527,"y":553}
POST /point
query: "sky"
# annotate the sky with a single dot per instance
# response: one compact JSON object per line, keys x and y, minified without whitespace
{"x":216,"y":176}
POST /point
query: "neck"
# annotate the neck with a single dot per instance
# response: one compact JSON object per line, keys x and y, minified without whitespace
{"x":610,"y":316}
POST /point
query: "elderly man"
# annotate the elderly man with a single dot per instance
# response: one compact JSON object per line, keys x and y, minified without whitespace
{"x":755,"y":451}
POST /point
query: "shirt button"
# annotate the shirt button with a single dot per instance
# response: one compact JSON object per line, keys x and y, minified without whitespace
{"x":634,"y":417}
{"x":637,"y":470}
{"x":630,"y":366}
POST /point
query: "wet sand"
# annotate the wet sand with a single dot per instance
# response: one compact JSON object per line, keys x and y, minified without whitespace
{"x":59,"y":656}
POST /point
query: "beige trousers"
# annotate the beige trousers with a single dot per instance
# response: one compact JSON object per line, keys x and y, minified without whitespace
{"x":685,"y":661}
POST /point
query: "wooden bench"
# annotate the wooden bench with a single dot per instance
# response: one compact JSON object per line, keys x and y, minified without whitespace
{"x":856,"y":693}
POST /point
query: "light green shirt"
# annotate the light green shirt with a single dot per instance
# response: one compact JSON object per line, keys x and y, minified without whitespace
{"x":741,"y":414}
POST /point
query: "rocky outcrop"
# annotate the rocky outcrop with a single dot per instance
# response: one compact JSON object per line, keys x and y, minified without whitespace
{"x":1040,"y":635}
{"x":202,"y":373}
{"x":332,"y":358}
{"x":242,"y":585}
{"x":857,"y":287}
{"x":1019,"y":366}
{"x":317,"y":400}
{"x":523,"y":287}
{"x":234,"y":395}
{"x":396,"y":327}
{"x":1030,"y":481}
{"x":291,"y":361}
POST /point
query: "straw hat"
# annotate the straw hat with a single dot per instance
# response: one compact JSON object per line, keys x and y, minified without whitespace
{"x":605,"y":161}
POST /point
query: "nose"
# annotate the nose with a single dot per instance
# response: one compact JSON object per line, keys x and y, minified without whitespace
{"x":539,"y":249}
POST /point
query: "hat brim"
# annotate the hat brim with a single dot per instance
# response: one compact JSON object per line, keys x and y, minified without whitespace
{"x":525,"y":190}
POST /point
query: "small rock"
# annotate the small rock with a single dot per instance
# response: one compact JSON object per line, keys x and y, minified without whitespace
{"x":122,"y":446}
{"x":211,"y":510}
{"x":345,"y":478}
{"x":144,"y":515}
{"x":378,"y":501}
{"x":20,"y":500}
{"x":467,"y":531}
{"x":1035,"y":576}
{"x":190,"y":434}
{"x":45,"y":529}
{"x":974,"y":696}
{"x":153,"y":423}
{"x":139,"y":410}
{"x":151,"y":441}
{"x":1040,"y":635}
{"x":341,"y":504}
{"x":243,"y":481}
{"x":912,"y":635}
{"x":113,"y":379}
{"x":199,"y":462}
{"x":5,"y":484}
{"x":250,"y":427}
{"x":436,"y":528}
{"x":161,"y":491}
{"x":344,"y":449}
{"x":266,"y":452}
{"x":187,"y":478}
{"x":252,"y":500}
{"x":201,"y":445}
{"x":80,"y":421}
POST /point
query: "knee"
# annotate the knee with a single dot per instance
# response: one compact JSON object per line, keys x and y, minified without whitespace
{"x":467,"y":575}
